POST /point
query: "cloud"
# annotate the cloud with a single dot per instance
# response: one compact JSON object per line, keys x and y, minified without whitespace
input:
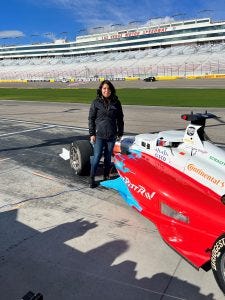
{"x":95,"y":13}
{"x":11,"y":34}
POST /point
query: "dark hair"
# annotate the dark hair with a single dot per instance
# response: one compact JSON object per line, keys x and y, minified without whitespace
{"x":111,"y":87}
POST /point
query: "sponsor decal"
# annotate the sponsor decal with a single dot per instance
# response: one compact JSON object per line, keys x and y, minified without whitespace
{"x":216,"y":252}
{"x":161,"y":154}
{"x":139,"y":189}
{"x":217,"y":160}
{"x":182,"y":153}
{"x":188,"y":141}
{"x":200,"y":172}
{"x":119,"y":185}
{"x":135,"y":153}
{"x":191,"y":131}
{"x":121,"y":166}
{"x":193,"y":151}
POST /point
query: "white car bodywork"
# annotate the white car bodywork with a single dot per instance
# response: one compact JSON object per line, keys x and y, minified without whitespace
{"x":184,"y":150}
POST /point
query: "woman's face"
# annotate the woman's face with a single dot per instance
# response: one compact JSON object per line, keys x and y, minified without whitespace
{"x":106,"y":92}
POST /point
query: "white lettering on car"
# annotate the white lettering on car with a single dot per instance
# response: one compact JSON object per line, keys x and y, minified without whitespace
{"x":139,"y":189}
{"x":202,"y":173}
{"x":161,"y":154}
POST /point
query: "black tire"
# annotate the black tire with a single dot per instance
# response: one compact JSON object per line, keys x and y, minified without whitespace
{"x":80,"y":153}
{"x":218,"y":262}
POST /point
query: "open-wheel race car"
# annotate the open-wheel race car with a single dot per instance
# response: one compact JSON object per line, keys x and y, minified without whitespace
{"x":176,"y":179}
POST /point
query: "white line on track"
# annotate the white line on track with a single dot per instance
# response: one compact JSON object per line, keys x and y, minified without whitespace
{"x":45,"y":124}
{"x":22,"y":121}
{"x":3,"y":159}
{"x":27,"y":130}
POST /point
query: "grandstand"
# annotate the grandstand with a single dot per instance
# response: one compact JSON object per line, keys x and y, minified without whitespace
{"x":176,"y":49}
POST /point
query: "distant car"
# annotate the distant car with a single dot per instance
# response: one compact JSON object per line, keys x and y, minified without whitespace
{"x":176,"y":179}
{"x":150,"y":79}
{"x":65,"y":80}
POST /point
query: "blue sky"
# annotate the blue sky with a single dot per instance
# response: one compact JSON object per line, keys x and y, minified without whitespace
{"x":27,"y":21}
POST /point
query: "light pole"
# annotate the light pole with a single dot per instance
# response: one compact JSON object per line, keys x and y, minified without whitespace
{"x":49,"y":35}
{"x":135,"y":22}
{"x":205,"y":11}
{"x":64,"y":34}
{"x":84,"y":30}
{"x":18,"y":37}
{"x":116,"y":26}
{"x":178,"y":15}
{"x":4,"y":38}
{"x":155,"y":21}
{"x":98,"y":29}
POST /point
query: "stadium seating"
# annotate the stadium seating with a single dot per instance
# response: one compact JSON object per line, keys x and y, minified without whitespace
{"x":181,"y":60}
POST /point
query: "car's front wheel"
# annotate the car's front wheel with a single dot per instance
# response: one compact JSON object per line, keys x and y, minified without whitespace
{"x":80,"y":153}
{"x":218,"y":262}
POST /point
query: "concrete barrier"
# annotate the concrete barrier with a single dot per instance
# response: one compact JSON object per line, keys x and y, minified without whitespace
{"x":13,"y":80}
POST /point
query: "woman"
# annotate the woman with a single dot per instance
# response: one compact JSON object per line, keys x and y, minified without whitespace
{"x":105,"y":126}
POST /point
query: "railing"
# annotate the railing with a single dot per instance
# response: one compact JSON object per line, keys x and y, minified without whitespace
{"x":122,"y":65}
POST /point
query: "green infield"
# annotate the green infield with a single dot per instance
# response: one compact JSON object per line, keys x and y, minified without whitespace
{"x":152,"y":97}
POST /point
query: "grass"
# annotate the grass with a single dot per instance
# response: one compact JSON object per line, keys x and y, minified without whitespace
{"x":155,"y":97}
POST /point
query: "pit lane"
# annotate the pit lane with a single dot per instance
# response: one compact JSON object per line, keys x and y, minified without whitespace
{"x":68,"y":241}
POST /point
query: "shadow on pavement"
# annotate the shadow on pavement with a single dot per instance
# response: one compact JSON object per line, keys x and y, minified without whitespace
{"x":45,"y":263}
{"x":47,"y":143}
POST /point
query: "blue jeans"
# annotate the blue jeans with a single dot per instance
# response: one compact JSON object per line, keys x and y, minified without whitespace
{"x":101,"y":145}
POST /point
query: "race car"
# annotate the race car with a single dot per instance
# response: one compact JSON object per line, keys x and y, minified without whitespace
{"x":150,"y":79}
{"x":176,"y":179}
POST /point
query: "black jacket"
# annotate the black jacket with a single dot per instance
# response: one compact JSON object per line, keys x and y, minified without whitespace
{"x":106,"y":120}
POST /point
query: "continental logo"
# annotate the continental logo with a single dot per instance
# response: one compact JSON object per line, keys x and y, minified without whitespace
{"x":200,"y":172}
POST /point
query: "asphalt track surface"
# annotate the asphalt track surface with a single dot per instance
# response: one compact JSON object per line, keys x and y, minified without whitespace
{"x":67,"y":241}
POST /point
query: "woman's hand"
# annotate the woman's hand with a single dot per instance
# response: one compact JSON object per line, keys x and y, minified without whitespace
{"x":92,"y":139}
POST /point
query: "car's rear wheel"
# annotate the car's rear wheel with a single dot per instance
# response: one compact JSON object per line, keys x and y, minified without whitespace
{"x":218,"y":262}
{"x":80,"y":153}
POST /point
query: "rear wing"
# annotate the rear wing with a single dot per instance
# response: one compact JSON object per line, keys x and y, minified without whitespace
{"x":199,"y":119}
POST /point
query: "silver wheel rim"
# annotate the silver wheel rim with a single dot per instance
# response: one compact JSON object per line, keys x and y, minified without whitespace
{"x":75,"y":159}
